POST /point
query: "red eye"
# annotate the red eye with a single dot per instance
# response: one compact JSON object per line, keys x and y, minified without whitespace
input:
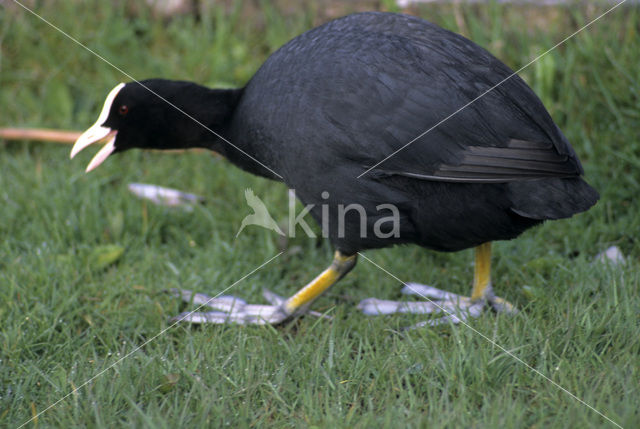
{"x":123,"y":110}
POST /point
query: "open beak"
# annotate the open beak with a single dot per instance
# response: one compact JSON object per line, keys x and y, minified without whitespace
{"x":98,"y":132}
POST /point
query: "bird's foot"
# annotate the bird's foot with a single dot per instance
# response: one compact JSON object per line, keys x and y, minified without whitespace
{"x":458,"y":308}
{"x":230,"y":309}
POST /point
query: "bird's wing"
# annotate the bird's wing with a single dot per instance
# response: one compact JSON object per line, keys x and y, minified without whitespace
{"x":519,"y":160}
{"x":361,"y":89}
{"x":468,"y":118}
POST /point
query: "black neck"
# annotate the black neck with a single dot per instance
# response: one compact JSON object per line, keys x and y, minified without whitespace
{"x":204,"y":117}
{"x":208,"y":116}
{"x":223,"y":135}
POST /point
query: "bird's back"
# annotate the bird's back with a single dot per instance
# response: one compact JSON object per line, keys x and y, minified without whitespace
{"x":365,"y":85}
{"x":338,"y":99}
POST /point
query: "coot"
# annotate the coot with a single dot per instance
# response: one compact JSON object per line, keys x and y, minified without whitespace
{"x":340,"y":114}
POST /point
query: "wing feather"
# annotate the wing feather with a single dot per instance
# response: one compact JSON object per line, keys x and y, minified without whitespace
{"x":519,"y":160}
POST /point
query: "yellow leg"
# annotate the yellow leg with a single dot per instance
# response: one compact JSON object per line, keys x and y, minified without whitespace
{"x":482,"y":281}
{"x":232,"y":310}
{"x":482,"y":272}
{"x":340,"y":266}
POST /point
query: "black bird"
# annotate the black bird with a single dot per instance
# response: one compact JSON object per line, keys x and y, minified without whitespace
{"x":346,"y":115}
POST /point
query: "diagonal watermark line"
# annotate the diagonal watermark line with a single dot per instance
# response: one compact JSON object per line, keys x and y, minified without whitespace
{"x":144,"y":86}
{"x":493,"y":343}
{"x":490,"y":89}
{"x":75,"y":389}
{"x":266,"y":167}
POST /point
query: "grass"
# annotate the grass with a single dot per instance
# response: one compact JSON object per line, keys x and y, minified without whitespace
{"x":66,"y":318}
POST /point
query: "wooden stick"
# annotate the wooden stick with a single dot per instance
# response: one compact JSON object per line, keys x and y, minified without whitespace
{"x":39,"y":134}
{"x":57,"y":136}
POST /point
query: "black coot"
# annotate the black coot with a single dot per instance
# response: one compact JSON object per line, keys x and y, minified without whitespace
{"x":345,"y":115}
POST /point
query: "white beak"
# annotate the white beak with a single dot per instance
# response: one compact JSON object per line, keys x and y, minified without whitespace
{"x":98,"y":132}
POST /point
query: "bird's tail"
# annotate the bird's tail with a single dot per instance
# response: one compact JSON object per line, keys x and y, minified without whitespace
{"x":551,"y":198}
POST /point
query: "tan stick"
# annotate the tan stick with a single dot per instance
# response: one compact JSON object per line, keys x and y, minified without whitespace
{"x":56,"y":136}
{"x":39,"y":134}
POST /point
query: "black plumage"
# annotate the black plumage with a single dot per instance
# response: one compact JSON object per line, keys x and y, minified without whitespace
{"x":328,"y":106}
{"x":338,"y":99}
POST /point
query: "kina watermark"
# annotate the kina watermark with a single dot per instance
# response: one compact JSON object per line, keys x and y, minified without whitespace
{"x":383,"y":222}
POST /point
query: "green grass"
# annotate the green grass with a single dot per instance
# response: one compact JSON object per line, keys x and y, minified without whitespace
{"x":64,"y":319}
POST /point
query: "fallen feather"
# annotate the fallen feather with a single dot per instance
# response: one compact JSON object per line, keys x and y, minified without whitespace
{"x":612,"y":255}
{"x":164,"y":196}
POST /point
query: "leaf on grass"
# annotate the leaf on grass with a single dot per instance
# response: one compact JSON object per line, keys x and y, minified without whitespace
{"x":103,"y":256}
{"x":88,"y":319}
{"x":530,"y":292}
{"x":169,"y":381}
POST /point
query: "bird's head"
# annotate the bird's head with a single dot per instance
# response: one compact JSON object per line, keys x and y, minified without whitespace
{"x":157,"y":114}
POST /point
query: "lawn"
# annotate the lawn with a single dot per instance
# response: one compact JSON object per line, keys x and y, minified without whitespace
{"x":82,"y":332}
